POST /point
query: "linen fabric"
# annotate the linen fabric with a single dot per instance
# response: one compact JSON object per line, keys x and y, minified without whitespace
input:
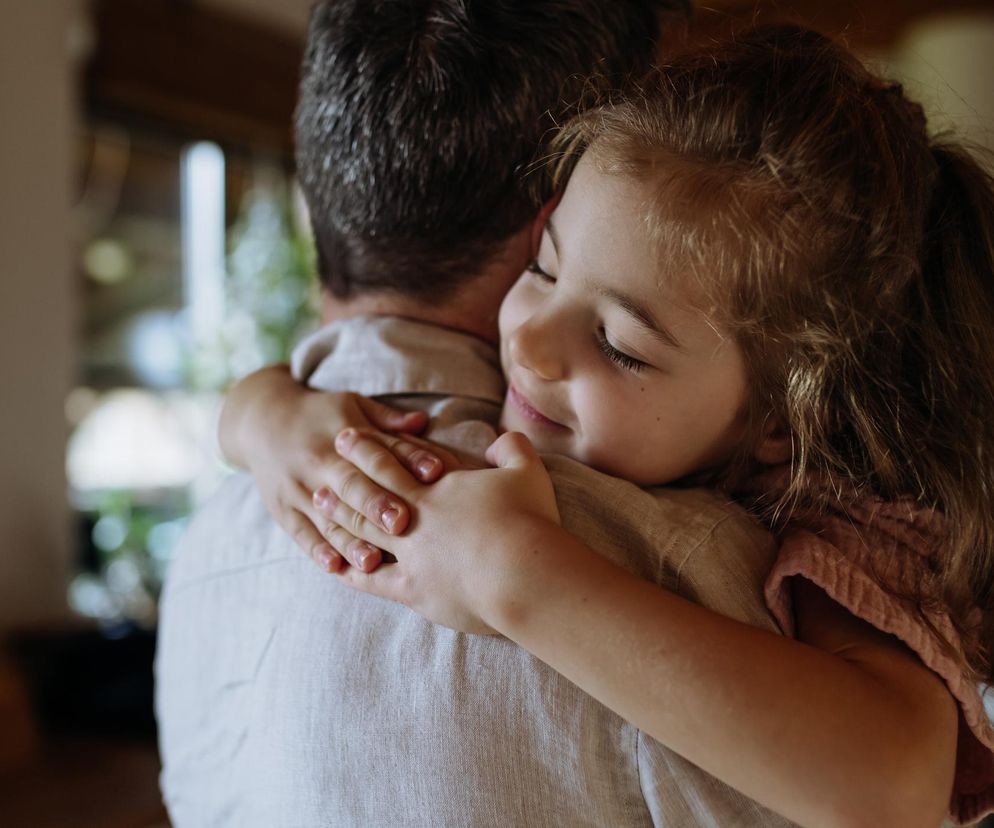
{"x":286,"y":699}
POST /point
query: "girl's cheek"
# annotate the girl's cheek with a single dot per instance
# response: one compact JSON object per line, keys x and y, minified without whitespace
{"x":504,"y":320}
{"x":514,"y":311}
{"x":614,"y":423}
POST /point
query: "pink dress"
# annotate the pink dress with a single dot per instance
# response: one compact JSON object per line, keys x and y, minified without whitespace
{"x":838,"y":552}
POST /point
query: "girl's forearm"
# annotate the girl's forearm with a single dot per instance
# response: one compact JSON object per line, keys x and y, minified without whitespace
{"x":258,"y":394}
{"x":821,"y":738}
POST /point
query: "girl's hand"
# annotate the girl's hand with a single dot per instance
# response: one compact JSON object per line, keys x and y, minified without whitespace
{"x":283,"y":434}
{"x":467,"y":536}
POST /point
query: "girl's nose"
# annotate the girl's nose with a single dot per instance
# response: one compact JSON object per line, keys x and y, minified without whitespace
{"x":535,"y":345}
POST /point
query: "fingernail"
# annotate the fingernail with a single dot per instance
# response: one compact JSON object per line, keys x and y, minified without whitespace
{"x":389,"y":517}
{"x":325,"y":501}
{"x":328,"y":558}
{"x":427,"y":466}
{"x":365,"y":553}
{"x":345,"y":439}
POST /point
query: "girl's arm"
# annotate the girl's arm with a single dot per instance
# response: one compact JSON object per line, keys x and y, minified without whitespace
{"x":283,"y":434}
{"x":843,"y":726}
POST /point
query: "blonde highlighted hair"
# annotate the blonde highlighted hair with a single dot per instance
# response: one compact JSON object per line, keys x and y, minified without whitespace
{"x":851,"y":256}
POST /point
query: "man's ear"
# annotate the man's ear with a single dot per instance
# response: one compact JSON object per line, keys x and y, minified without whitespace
{"x":539,"y":224}
{"x":775,"y":446}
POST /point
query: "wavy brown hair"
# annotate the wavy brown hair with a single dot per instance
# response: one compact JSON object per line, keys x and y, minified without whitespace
{"x":852,"y":258}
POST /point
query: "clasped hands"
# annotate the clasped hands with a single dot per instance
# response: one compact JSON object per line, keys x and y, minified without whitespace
{"x":409,"y":521}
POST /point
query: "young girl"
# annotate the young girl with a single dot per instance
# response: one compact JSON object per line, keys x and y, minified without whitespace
{"x":763,"y":275}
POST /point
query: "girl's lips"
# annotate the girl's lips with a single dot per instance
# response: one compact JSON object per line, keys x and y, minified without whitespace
{"x":527,"y":410}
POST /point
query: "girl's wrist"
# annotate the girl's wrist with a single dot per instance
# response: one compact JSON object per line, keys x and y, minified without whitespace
{"x":530,"y":557}
{"x":250,"y":406}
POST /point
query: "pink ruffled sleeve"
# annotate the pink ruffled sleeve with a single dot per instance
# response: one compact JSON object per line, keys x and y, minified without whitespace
{"x":836,"y":556}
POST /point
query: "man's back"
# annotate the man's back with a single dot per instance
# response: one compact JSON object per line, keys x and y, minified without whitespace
{"x":287,"y":699}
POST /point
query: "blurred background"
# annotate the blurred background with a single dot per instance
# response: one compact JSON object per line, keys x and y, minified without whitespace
{"x":154,"y":248}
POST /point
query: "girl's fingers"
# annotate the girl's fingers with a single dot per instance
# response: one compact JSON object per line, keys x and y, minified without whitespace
{"x":361,"y":554}
{"x":387,"y":582}
{"x":512,"y":450}
{"x":326,"y":557}
{"x":350,"y":484}
{"x":320,"y":551}
{"x":339,"y":515}
{"x":427,"y":461}
{"x":306,"y":535}
{"x":386,"y":418}
{"x":370,"y":465}
{"x":436,"y":452}
{"x":390,"y":461}
{"x":426,"y":465}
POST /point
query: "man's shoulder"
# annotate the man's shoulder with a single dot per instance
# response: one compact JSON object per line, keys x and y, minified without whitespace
{"x":694,"y":541}
{"x":655,"y":512}
{"x":231,"y":530}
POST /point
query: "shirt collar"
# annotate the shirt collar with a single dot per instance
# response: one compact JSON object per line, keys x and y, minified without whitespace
{"x":377,"y":355}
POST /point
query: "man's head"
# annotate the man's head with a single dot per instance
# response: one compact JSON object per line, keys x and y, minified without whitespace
{"x":417,"y":120}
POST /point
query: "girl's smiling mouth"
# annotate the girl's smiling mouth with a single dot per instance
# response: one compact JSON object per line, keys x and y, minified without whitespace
{"x":524,"y":407}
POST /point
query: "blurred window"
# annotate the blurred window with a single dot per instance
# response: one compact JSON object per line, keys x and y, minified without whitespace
{"x":195,"y":267}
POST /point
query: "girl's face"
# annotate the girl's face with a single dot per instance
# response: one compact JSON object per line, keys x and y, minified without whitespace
{"x":606,"y":358}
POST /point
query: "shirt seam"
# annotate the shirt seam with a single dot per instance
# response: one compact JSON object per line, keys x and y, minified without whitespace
{"x":186,"y":583}
{"x":690,"y":553}
{"x":638,"y":771}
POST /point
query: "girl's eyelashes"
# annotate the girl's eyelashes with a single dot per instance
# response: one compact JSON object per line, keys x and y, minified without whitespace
{"x":535,"y":268}
{"x":629,"y":363}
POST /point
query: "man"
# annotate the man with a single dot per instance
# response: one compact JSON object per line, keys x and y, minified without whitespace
{"x":285,"y":698}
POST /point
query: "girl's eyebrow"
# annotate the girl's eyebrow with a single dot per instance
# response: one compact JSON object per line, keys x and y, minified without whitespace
{"x":642,"y":316}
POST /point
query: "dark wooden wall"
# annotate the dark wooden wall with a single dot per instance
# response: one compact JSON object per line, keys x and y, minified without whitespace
{"x":184,"y":68}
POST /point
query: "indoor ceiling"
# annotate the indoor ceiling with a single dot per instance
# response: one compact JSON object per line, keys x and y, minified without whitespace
{"x":874,"y":20}
{"x":290,"y":15}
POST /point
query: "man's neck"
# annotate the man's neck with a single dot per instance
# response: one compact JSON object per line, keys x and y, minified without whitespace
{"x":472,"y":309}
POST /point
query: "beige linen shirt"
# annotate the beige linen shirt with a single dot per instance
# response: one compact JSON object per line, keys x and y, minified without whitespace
{"x":286,"y":699}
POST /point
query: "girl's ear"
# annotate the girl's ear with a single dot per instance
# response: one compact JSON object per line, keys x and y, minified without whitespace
{"x":775,"y":446}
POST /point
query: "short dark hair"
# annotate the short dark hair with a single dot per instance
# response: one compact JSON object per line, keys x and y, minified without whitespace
{"x":417,"y":120}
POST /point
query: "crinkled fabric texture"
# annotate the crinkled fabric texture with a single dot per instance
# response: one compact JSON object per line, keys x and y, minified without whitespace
{"x":849,"y":553}
{"x":285,"y":698}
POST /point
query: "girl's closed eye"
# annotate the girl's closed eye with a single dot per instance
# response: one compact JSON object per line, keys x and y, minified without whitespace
{"x":536,"y":269}
{"x":629,"y":363}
